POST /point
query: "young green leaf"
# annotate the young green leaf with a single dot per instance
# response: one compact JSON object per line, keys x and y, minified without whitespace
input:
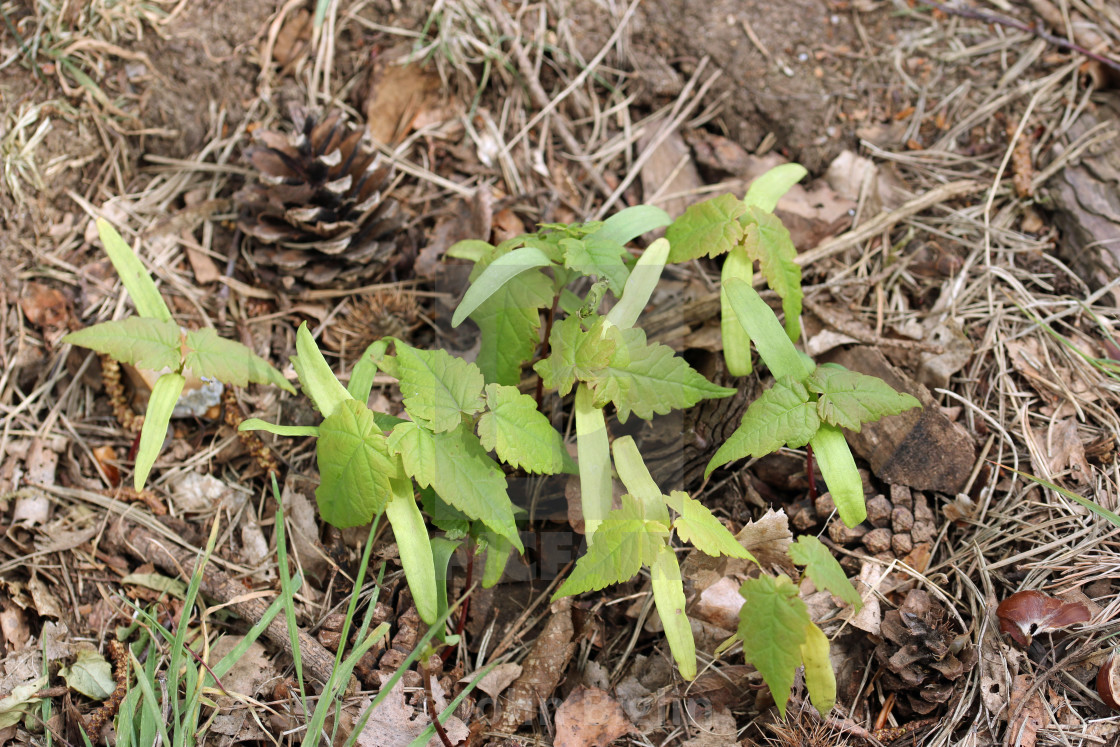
{"x":630,"y":223}
{"x":640,"y":285}
{"x":161,"y":404}
{"x":256,"y":424}
{"x":521,"y":434}
{"x":736,"y":341}
{"x":597,"y":257}
{"x":456,"y":465}
{"x":783,"y":414}
{"x":365,"y":370}
{"x":497,"y":555}
{"x":840,"y":473}
{"x":228,"y":361}
{"x":139,"y":284}
{"x":850,"y":399}
{"x":415,"y":549}
{"x":495,"y":276}
{"x":823,"y":570}
{"x":820,"y":680}
{"x":773,"y":344}
{"x":697,"y":526}
{"x":473,"y":249}
{"x":622,"y":544}
{"x":773,"y":626}
{"x":315,"y":376}
{"x":442,"y":550}
{"x":354,"y":466}
{"x":576,"y":354}
{"x":146,"y":343}
{"x":593,"y":450}
{"x":668,"y":595}
{"x":438,"y":389}
{"x":766,"y":190}
{"x":510,"y":322}
{"x":711,"y":227}
{"x":648,"y":378}
{"x":768,"y":240}
{"x":637,"y":480}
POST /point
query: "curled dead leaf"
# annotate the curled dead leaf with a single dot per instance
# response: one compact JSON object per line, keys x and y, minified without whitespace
{"x":1025,"y":614}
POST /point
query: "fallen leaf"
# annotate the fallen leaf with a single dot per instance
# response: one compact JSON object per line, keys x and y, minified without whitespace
{"x":15,"y":705}
{"x":870,"y":616}
{"x":13,"y":626}
{"x":46,"y":603}
{"x":294,"y":40}
{"x":1061,"y":448}
{"x":90,"y":674}
{"x":719,"y":604}
{"x":398,"y":95}
{"x":716,"y":727}
{"x":45,"y":307}
{"x":768,"y":540}
{"x":590,"y":718}
{"x":542,"y":668}
{"x":106,"y":457}
{"x":1023,"y":731}
{"x":497,"y":679}
{"x":669,"y":175}
{"x":250,"y":672}
{"x":394,"y":723}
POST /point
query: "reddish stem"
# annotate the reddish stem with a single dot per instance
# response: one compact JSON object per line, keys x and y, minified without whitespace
{"x":810,"y":473}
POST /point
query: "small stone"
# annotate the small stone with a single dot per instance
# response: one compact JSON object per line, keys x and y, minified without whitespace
{"x":843,"y":535}
{"x":922,"y":511}
{"x":877,"y":540}
{"x":802,"y":516}
{"x":902,"y":519}
{"x":923,"y":531}
{"x":824,"y":506}
{"x":901,"y":544}
{"x":879,"y":511}
{"x":900,"y":496}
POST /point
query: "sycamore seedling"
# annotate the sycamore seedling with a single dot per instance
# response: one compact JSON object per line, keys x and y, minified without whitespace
{"x":154,"y":341}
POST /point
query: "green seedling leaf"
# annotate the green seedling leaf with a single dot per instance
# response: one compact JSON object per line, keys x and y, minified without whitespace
{"x":576,"y":354}
{"x":291,"y":431}
{"x":139,"y":284}
{"x":16,"y":704}
{"x":593,"y":450}
{"x":823,"y":570}
{"x":157,"y":582}
{"x":415,"y":549}
{"x":90,"y":674}
{"x":640,"y":285}
{"x":161,"y":404}
{"x":773,"y":626}
{"x":736,"y":342}
{"x":365,"y":370}
{"x":766,"y":190}
{"x":354,"y":466}
{"x":456,"y":465}
{"x":768,"y":241}
{"x":850,"y":399}
{"x":473,"y":249}
{"x":820,"y":680}
{"x":442,"y":550}
{"x":668,"y":595}
{"x":448,"y":519}
{"x":497,"y":555}
{"x":510,"y":323}
{"x":697,"y":526}
{"x":495,"y":276}
{"x":711,"y":227}
{"x":153,"y":344}
{"x":648,"y":378}
{"x":598,"y":257}
{"x":630,"y":223}
{"x":438,"y":389}
{"x":782,"y":415}
{"x":315,"y":376}
{"x":521,"y":434}
{"x":840,"y":474}
{"x":773,"y":344}
{"x":228,"y":361}
{"x":621,"y":545}
{"x":637,"y":480}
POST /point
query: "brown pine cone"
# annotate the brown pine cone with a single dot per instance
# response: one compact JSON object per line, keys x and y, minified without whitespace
{"x":318,"y":213}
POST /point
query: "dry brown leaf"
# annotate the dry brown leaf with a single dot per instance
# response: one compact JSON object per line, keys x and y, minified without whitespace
{"x":106,"y":457}
{"x":542,"y":669}
{"x":716,"y":727}
{"x":45,"y":307}
{"x":294,"y":40}
{"x":398,"y":95}
{"x":768,"y":540}
{"x":1023,"y":731}
{"x":870,"y":616}
{"x":13,"y":626}
{"x":394,"y":723}
{"x":590,"y":718}
{"x":1061,"y":448}
{"x":497,"y":679}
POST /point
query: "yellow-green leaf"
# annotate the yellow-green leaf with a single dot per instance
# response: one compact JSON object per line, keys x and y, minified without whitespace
{"x":823,"y":569}
{"x":438,"y":389}
{"x":711,"y":227}
{"x":773,"y":625}
{"x":521,"y":434}
{"x":415,"y":549}
{"x":354,"y":466}
{"x":820,"y":680}
{"x":849,"y":399}
{"x":139,"y":284}
{"x":315,"y":376}
{"x":161,"y":404}
{"x":153,"y":344}
{"x":229,"y":361}
{"x":668,"y":595}
{"x":697,"y":526}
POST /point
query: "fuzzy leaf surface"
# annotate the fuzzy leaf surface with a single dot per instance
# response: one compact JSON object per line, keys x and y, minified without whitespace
{"x":354,"y":466}
{"x":438,"y":389}
{"x":510,"y":323}
{"x":521,"y":434}
{"x":822,"y":569}
{"x":768,"y":240}
{"x":599,"y":257}
{"x":781,"y":415}
{"x":459,"y":469}
{"x":621,"y":545}
{"x":697,"y":526}
{"x":849,"y":399}
{"x":772,"y":627}
{"x":576,"y":354}
{"x":146,"y":343}
{"x":229,"y":361}
{"x":649,"y":378}
{"x":711,"y":227}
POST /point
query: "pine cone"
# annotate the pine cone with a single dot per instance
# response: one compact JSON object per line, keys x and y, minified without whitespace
{"x":318,"y":213}
{"x":921,"y":654}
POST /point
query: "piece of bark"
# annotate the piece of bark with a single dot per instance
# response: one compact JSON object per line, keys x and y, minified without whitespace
{"x":921,"y":449}
{"x":1086,"y":199}
{"x":542,"y":669}
{"x":219,"y":587}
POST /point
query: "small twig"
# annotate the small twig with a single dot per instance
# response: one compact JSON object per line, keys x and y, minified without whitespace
{"x":1030,"y":28}
{"x":431,"y":702}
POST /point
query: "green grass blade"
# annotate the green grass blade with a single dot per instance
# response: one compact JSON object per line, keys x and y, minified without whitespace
{"x":287,"y":592}
{"x":1093,"y":506}
{"x":149,"y":704}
